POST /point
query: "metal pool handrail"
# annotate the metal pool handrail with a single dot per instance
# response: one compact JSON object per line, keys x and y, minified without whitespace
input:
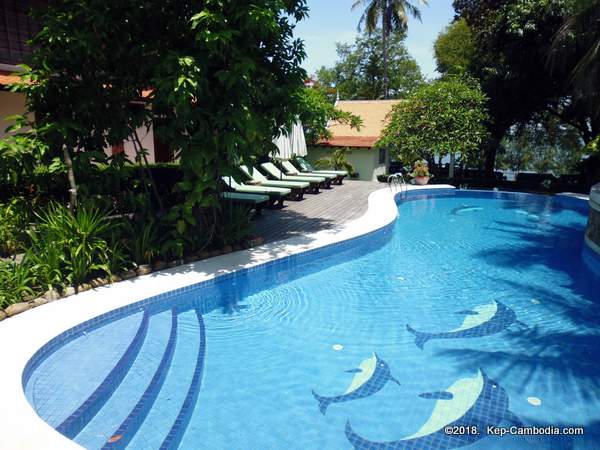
{"x":397,"y":180}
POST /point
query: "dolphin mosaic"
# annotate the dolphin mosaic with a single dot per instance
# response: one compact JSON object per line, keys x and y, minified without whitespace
{"x":370,"y":377}
{"x":465,"y":208}
{"x":470,"y":402}
{"x":529,"y":216}
{"x":483,"y":320}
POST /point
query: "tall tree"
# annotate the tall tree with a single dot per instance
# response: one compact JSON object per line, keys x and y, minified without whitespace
{"x":580,"y":30}
{"x":543,"y":144}
{"x":393,"y":15}
{"x":359,"y":72}
{"x":512,"y":41}
{"x":318,"y":111}
{"x":454,"y":49}
{"x":444,"y":117}
{"x":223,"y":78}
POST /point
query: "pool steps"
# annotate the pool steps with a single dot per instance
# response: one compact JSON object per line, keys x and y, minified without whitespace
{"x":176,"y":432}
{"x":73,"y":425}
{"x":142,"y":405}
{"x":116,"y":409}
{"x":127,"y":429}
{"x":153,"y":431}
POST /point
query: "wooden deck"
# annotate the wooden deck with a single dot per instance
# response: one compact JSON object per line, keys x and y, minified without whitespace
{"x":329,"y":208}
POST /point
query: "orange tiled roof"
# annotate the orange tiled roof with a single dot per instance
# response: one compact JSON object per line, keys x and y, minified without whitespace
{"x":374,"y":115}
{"x":350,"y":141}
{"x":7,"y":78}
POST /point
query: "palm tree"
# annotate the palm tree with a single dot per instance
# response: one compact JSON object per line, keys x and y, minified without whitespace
{"x":394,"y":17}
{"x":580,"y":35}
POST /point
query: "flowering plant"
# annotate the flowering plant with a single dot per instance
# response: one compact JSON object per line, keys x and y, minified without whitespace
{"x":420,"y":169}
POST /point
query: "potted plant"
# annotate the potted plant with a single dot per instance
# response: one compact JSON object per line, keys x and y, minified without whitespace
{"x":420,"y":173}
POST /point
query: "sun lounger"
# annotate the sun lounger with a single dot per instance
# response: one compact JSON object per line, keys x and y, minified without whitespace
{"x":305,"y":166}
{"x":276,"y":194}
{"x":275,"y":173}
{"x":297,"y":187}
{"x":256,"y":201}
{"x":290,"y":169}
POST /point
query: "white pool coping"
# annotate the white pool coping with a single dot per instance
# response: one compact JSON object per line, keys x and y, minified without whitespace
{"x":23,"y":335}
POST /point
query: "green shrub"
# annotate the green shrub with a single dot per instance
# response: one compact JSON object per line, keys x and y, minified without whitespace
{"x":74,"y":245}
{"x":16,"y":281}
{"x":14,"y":217}
{"x":142,"y":240}
{"x":337,"y":160}
{"x":233,"y":224}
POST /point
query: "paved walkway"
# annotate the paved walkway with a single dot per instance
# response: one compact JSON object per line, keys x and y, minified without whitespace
{"x":329,"y":208}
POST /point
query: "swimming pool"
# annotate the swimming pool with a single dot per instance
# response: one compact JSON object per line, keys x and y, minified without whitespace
{"x":475,"y":308}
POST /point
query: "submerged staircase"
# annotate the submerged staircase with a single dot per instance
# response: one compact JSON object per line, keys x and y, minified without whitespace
{"x":147,"y":399}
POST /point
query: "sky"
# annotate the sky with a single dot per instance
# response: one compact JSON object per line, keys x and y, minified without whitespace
{"x":332,"y":21}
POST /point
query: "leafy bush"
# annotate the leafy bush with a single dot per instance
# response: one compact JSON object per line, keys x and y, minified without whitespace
{"x":74,"y":245}
{"x":445,"y":116}
{"x":142,"y":240}
{"x":420,"y":169}
{"x":336,"y":161}
{"x":14,"y":217}
{"x":234,"y":224}
{"x":16,"y":281}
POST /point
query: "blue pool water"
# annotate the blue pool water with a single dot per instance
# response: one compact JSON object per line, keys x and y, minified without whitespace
{"x":473,"y":309}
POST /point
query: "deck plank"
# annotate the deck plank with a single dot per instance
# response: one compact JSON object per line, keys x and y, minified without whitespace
{"x":316,"y":212}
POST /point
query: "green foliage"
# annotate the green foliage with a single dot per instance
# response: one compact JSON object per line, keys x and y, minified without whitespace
{"x":15,"y":282}
{"x":26,"y":166}
{"x":454,"y":48}
{"x":337,"y":160}
{"x":542,"y":146}
{"x":318,"y":111}
{"x":234,"y":224}
{"x":580,"y":31}
{"x":70,"y":247}
{"x":593,"y":146}
{"x":14,"y":220}
{"x":514,"y":41}
{"x":143,"y":240}
{"x":393,"y":14}
{"x":441,"y":117}
{"x":420,"y":169}
{"x":225,"y":78}
{"x":359,"y":71}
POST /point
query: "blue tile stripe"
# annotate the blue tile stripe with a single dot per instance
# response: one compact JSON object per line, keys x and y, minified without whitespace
{"x":133,"y":421}
{"x":73,"y":424}
{"x":182,"y":421}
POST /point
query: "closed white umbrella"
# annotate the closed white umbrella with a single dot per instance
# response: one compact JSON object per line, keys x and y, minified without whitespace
{"x":283,"y":145}
{"x":298,"y":140}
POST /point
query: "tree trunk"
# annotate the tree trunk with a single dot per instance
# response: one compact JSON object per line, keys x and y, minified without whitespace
{"x":491,"y":149}
{"x":385,"y":36}
{"x":451,"y":168}
{"x":139,"y":148}
{"x":71,"y":177}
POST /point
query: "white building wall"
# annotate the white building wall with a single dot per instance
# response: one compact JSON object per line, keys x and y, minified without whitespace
{"x":147,"y":138}
{"x":364,"y":160}
{"x":10,"y":103}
